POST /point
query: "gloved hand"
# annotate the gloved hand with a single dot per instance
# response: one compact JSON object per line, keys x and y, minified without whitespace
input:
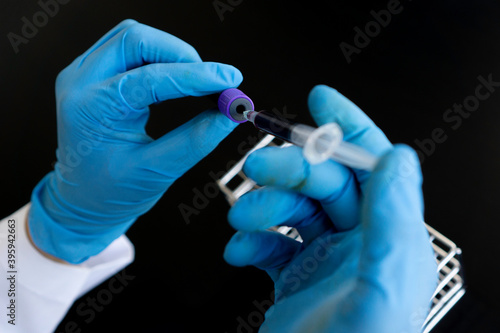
{"x":109,"y":171}
{"x":366,"y":263}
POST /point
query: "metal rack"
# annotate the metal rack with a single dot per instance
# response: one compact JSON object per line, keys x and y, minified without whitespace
{"x":451,"y":284}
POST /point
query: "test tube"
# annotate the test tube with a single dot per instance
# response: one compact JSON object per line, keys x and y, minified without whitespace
{"x":319,"y":144}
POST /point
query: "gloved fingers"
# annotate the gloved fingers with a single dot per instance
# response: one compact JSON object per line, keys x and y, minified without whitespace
{"x":179,"y":150}
{"x":332,"y":184}
{"x":269,"y":207}
{"x":154,"y":83}
{"x":392,"y":221}
{"x":327,"y":105}
{"x":135,"y":45}
{"x":267,"y":250}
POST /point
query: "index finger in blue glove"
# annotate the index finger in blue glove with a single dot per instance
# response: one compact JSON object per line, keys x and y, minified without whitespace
{"x":269,"y":207}
{"x":332,"y":184}
{"x":267,"y":250}
{"x":136,"y":44}
{"x":154,"y":83}
{"x":176,"y":152}
{"x":327,"y":105}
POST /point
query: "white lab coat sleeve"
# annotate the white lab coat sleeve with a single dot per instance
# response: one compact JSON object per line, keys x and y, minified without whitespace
{"x":39,"y":291}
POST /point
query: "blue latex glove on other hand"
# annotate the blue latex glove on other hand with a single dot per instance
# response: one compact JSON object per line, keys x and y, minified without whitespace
{"x":109,"y":171}
{"x":366,"y":263}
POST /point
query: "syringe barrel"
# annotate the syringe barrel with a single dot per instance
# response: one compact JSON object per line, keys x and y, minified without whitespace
{"x":267,"y":122}
{"x":300,"y":133}
{"x":319,"y":144}
{"x":291,"y":132}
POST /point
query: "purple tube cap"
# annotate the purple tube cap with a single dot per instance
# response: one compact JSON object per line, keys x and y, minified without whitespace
{"x":233,"y":102}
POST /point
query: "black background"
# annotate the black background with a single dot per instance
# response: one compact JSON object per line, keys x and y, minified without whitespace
{"x":424,"y":61}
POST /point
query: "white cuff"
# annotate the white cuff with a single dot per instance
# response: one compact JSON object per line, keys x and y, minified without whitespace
{"x":45,"y":289}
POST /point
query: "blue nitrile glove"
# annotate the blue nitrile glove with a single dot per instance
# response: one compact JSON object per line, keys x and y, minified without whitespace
{"x":366,"y":264}
{"x":109,"y":171}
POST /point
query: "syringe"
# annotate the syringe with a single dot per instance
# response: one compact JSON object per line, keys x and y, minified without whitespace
{"x":319,"y":144}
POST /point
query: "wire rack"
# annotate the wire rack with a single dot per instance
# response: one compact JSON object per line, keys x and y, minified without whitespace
{"x":451,"y":284}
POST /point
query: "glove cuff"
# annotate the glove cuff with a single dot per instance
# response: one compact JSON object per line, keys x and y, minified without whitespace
{"x":65,"y":240}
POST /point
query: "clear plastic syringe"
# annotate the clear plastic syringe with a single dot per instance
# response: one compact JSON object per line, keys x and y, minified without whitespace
{"x":319,"y":144}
